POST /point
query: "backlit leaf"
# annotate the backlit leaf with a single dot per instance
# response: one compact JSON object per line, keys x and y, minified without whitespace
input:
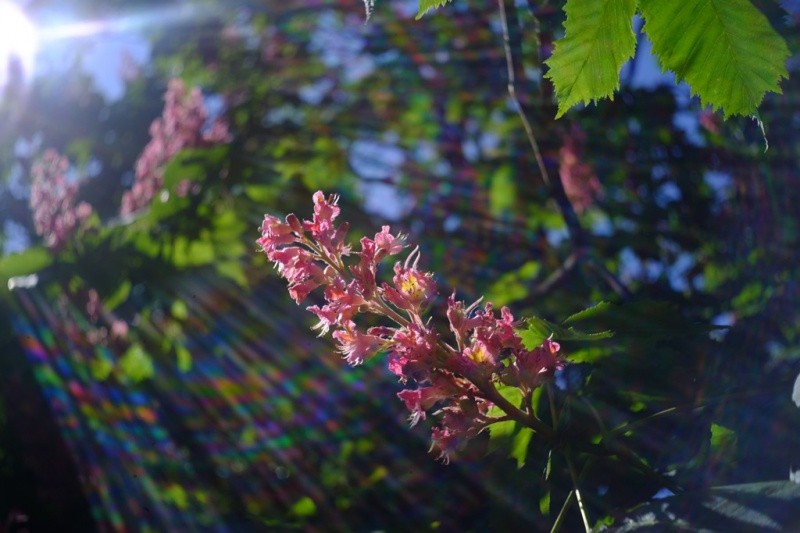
{"x":427,"y":5}
{"x":726,"y":50}
{"x":598,"y":40}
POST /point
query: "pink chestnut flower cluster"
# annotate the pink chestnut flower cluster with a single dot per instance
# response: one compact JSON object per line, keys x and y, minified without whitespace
{"x":181,"y":126}
{"x":580,"y":181}
{"x":455,"y":373}
{"x":52,"y":201}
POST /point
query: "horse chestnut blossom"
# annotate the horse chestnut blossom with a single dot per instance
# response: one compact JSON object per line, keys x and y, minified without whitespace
{"x":52,"y":201}
{"x":580,"y":181}
{"x":181,"y":126}
{"x":456,"y":373}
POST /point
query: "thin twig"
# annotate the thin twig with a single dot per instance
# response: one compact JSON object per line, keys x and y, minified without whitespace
{"x":576,"y":232}
{"x":578,"y":496}
{"x":512,"y":92}
{"x":610,"y":279}
{"x":564,"y":508}
{"x":559,"y":275}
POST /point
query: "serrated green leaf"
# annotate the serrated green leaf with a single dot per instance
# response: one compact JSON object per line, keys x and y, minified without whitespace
{"x":598,"y":40}
{"x":726,"y":50}
{"x":589,"y":312}
{"x":538,"y":329}
{"x":427,"y":5}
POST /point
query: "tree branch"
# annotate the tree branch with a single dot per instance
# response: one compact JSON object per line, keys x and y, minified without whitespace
{"x":577,"y":234}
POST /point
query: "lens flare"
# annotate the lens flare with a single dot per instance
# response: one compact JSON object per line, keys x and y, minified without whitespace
{"x":18,"y":43}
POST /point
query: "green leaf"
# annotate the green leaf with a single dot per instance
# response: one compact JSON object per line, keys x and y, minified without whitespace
{"x":232,"y":270}
{"x":503,"y":191}
{"x":646,"y":320}
{"x":248,"y":437}
{"x":538,"y":329}
{"x":590,"y":312}
{"x":263,"y":194}
{"x":176,"y":495}
{"x":514,"y":285}
{"x":598,"y":40}
{"x":723,"y":442}
{"x":118,"y":296}
{"x":184,"y":358}
{"x":136,"y":365}
{"x":509,"y":435}
{"x":544,"y":504}
{"x":519,"y":446}
{"x":427,"y":5}
{"x":179,"y":310}
{"x":726,"y":50}
{"x":501,"y":433}
{"x":194,"y":164}
{"x":304,"y":507}
{"x":101,"y":368}
{"x":23,"y":263}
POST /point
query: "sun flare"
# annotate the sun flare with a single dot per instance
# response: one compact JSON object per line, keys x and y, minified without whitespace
{"x":17,"y":41}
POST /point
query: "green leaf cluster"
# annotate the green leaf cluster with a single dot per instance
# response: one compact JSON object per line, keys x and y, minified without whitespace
{"x":725,"y":50}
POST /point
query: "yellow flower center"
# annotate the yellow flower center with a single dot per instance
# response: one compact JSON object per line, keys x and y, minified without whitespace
{"x":412,"y":287}
{"x":479,"y":354}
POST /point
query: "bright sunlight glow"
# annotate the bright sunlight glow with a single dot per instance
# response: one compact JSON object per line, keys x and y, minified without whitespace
{"x":17,"y":41}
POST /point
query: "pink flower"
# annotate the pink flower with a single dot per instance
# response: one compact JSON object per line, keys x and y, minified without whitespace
{"x":459,"y":422}
{"x":179,"y":127}
{"x":387,"y":244}
{"x":119,"y":329}
{"x":538,"y":365}
{"x":414,"y":349}
{"x":459,"y":379}
{"x":580,"y":182}
{"x":412,"y":288}
{"x":421,"y":399}
{"x":93,"y":305}
{"x":355,"y":345}
{"x":52,"y":199}
{"x":322,"y":228}
{"x":275,"y":233}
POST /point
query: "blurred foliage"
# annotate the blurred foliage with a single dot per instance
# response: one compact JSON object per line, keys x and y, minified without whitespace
{"x":410,"y":123}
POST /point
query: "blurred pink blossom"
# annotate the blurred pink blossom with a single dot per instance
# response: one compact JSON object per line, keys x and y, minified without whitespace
{"x":55,"y":217}
{"x":180,"y":126}
{"x":580,"y":182}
